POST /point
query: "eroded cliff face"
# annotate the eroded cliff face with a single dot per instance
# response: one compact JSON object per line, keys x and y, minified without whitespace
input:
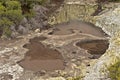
{"x":71,"y":10}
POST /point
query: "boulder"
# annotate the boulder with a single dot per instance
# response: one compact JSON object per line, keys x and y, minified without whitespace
{"x":12,"y":28}
{"x":24,"y":21}
{"x":39,"y":21}
{"x":22,"y":29}
{"x":14,"y":34}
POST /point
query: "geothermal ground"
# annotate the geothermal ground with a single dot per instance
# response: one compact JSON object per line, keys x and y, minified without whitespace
{"x":66,"y":50}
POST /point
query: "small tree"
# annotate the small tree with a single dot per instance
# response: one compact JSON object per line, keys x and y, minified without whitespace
{"x":13,"y":11}
{"x":5,"y":26}
{"x":10,"y":13}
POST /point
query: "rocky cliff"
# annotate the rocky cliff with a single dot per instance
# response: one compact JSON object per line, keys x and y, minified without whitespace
{"x":71,"y":10}
{"x":109,"y":22}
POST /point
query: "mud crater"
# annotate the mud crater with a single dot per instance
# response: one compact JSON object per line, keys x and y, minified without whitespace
{"x":94,"y":47}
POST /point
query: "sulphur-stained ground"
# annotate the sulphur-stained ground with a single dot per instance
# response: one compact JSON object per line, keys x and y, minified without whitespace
{"x":15,"y":65}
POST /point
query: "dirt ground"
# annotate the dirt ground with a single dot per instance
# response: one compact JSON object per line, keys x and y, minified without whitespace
{"x":53,"y":52}
{"x":41,"y":58}
{"x":56,"y":52}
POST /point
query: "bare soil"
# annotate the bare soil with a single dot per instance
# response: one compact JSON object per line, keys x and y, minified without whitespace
{"x":65,"y":47}
{"x":81,"y":27}
{"x":40,"y":57}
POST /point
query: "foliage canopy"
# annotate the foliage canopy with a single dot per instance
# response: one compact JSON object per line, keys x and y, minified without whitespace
{"x":13,"y":11}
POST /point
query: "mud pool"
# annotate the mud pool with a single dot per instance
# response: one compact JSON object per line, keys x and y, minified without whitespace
{"x":85,"y":36}
{"x":94,"y":47}
{"x":40,"y":57}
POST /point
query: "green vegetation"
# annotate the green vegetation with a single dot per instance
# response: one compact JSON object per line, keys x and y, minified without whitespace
{"x":13,"y":11}
{"x":10,"y":13}
{"x":115,"y":71}
{"x":27,"y":5}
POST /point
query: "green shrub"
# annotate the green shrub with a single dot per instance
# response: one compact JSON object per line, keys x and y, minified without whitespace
{"x":115,"y":71}
{"x":10,"y":13}
{"x":13,"y":5}
{"x":5,"y":26}
{"x":13,"y":11}
{"x":14,"y":15}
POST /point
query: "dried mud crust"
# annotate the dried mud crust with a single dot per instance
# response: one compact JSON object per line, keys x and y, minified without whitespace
{"x":75,"y":58}
{"x":39,"y":57}
{"x":79,"y":27}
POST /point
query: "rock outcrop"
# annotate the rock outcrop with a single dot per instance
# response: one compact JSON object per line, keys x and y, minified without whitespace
{"x":73,"y":9}
{"x":109,"y":22}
